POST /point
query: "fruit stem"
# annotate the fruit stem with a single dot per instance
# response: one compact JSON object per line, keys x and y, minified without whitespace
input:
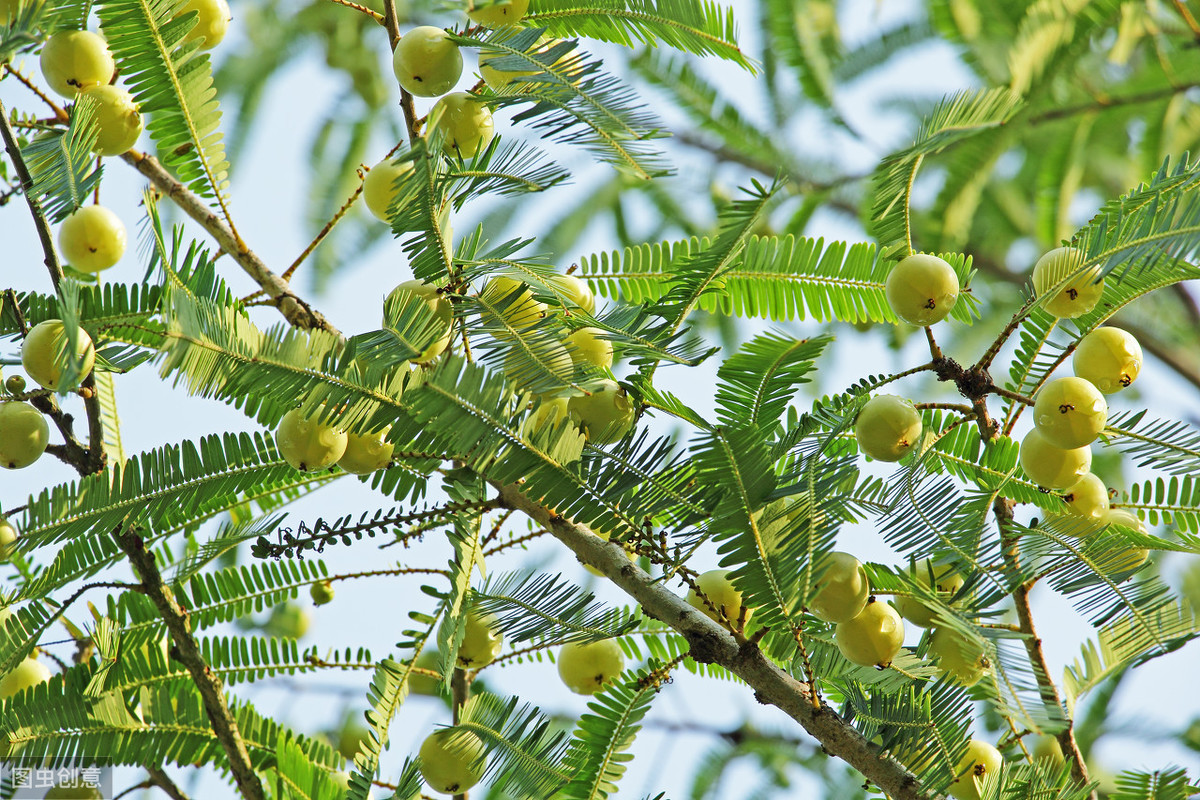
{"x":1020,"y":398}
{"x":934,"y":349}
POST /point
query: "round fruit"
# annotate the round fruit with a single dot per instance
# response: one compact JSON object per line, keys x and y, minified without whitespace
{"x":945,"y":582}
{"x":1051,"y":466}
{"x":873,"y":637}
{"x":452,"y":760}
{"x":74,"y":790}
{"x":1070,"y":412}
{"x":980,"y":760}
{"x":1070,"y":298}
{"x":8,"y":538}
{"x":117,"y":118}
{"x":1123,"y":561}
{"x":15,"y":384}
{"x":842,"y":591}
{"x":441,"y":308}
{"x":548,"y":413}
{"x":44,"y":354}
{"x":1048,"y":748}
{"x":309,"y":445}
{"x":213,"y":22}
{"x":92,"y":239}
{"x":502,"y":80}
{"x":960,"y":657}
{"x":725,"y":599}
{"x":498,"y":14}
{"x":513,"y":302}
{"x":465,"y":122}
{"x":366,"y":453}
{"x":351,"y":737}
{"x":287,"y":621}
{"x":24,"y":435}
{"x":587,"y":347}
{"x":427,"y":62}
{"x":1087,"y":502}
{"x":1108,"y":357}
{"x":922,"y":289}
{"x":321,"y":593}
{"x":550,"y":357}
{"x":575,"y":291}
{"x":887,"y":427}
{"x":481,"y":641}
{"x":606,"y":415}
{"x":585,"y":668}
{"x":26,"y":675}
{"x":380,"y":189}
{"x":74,"y":61}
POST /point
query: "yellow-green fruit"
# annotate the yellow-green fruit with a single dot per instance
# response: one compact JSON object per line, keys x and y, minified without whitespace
{"x":366,"y":453}
{"x":587,"y":347}
{"x":452,"y":760}
{"x":26,"y":675}
{"x":8,"y":538}
{"x":321,"y":593}
{"x":1070,"y":412}
{"x":1108,"y":357}
{"x":1073,"y":297}
{"x":515,"y":303}
{"x":960,"y":657}
{"x":92,"y":239}
{"x":586,"y":668}
{"x":351,"y":737}
{"x":427,"y":62}
{"x":465,"y":122}
{"x":943,"y":579}
{"x":719,"y":590}
{"x":117,"y":118}
{"x":44,"y":354}
{"x":309,"y":445}
{"x":574,"y":291}
{"x":502,"y":80}
{"x":341,"y":779}
{"x":74,"y":790}
{"x":548,"y":413}
{"x":1087,"y":504}
{"x":213,"y":23}
{"x":1123,"y":561}
{"x":8,"y":10}
{"x":842,"y":589}
{"x":380,"y":187}
{"x":606,"y":415}
{"x":74,"y":61}
{"x":481,"y":642}
{"x":980,"y":761}
{"x":873,"y":638}
{"x":1048,"y":749}
{"x":887,"y":427}
{"x":498,"y":14}
{"x":442,"y":310}
{"x":922,"y":289}
{"x":24,"y":435}
{"x":1051,"y":466}
{"x":287,"y":621}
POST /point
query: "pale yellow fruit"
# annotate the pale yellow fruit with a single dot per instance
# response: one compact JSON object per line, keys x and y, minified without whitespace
{"x":24,"y":435}
{"x":1068,"y":298}
{"x":75,"y":61}
{"x":722,"y":596}
{"x":1051,"y":466}
{"x":117,"y":118}
{"x":922,"y":289}
{"x":452,"y":760}
{"x":44,"y":354}
{"x":606,"y":415}
{"x":1108,"y":357}
{"x":380,"y":188}
{"x":427,"y":62}
{"x":961,"y":658}
{"x":498,"y":14}
{"x":8,"y":538}
{"x":25,"y":675}
{"x":522,"y":310}
{"x":946,"y":583}
{"x":887,"y":427}
{"x":842,"y":590}
{"x":504,"y":81}
{"x":465,"y":122}
{"x":980,"y":761}
{"x":1087,"y":503}
{"x":366,"y":453}
{"x":442,"y":310}
{"x":575,"y":291}
{"x":873,"y":638}
{"x":481,"y":642}
{"x":586,"y":668}
{"x":92,"y":239}
{"x":309,"y":445}
{"x":1048,"y":749}
{"x":588,"y":347}
{"x":1070,"y":412}
{"x":213,"y":23}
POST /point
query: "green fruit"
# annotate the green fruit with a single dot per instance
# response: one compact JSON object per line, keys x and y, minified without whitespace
{"x":513,"y":302}
{"x":574,"y":291}
{"x":44,"y":354}
{"x":922,"y":289}
{"x":980,"y":761}
{"x":309,"y":445}
{"x":117,"y":118}
{"x":321,"y":593}
{"x":1070,"y":412}
{"x":15,"y":384}
{"x":1048,"y":749}
{"x":1051,"y":466}
{"x":961,"y":658}
{"x":341,"y":779}
{"x":725,"y":599}
{"x":366,"y":453}
{"x":287,"y":621}
{"x":92,"y":239}
{"x":1123,"y":561}
{"x":587,"y":347}
{"x":380,"y":188}
{"x":8,"y":539}
{"x":74,"y":61}
{"x":419,"y":682}
{"x":8,"y":10}
{"x":481,"y":641}
{"x":452,"y":760}
{"x":26,"y":675}
{"x":586,"y":668}
{"x":74,"y":790}
{"x":1087,"y":502}
{"x":442,"y":310}
{"x":24,"y":435}
{"x":465,"y":122}
{"x":1108,"y":357}
{"x":606,"y":415}
{"x":427,"y":62}
{"x":873,"y":638}
{"x":887,"y":427}
{"x":942,"y":579}
{"x":502,"y":81}
{"x":351,"y":738}
{"x":842,"y":590}
{"x":1071,"y":292}
{"x":213,"y":22}
{"x":498,"y":14}
{"x":548,"y":413}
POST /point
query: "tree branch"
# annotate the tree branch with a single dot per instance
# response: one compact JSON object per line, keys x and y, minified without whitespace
{"x":35,"y":207}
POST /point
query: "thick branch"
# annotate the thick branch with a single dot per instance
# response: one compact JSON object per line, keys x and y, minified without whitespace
{"x":35,"y":207}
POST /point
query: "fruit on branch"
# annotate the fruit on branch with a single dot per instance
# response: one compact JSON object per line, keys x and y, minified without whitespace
{"x":586,"y":668}
{"x":873,"y":637}
{"x":514,"y":302}
{"x":1067,"y":298}
{"x":452,"y":760}
{"x":8,"y":539}
{"x":498,"y":14}
{"x":465,"y":123}
{"x":427,"y":62}
{"x":74,"y":61}
{"x":14,"y":384}
{"x":74,"y":790}
{"x":1087,"y":501}
{"x":1121,"y":562}
{"x":1070,"y":412}
{"x":442,"y":309}
{"x":309,"y":445}
{"x":321,"y":593}
{"x":351,"y":737}
{"x":1048,"y":749}
{"x":117,"y":119}
{"x":213,"y":23}
{"x":842,"y":590}
{"x":502,"y":80}
{"x":287,"y":621}
{"x":44,"y":354}
{"x":92,"y":239}
{"x":27,"y":674}
{"x":1108,"y":357}
{"x":24,"y":435}
{"x":887,"y":427}
{"x":548,"y":413}
{"x":922,"y":289}
{"x":380,"y":187}
{"x":575,"y":291}
{"x":606,"y":415}
{"x":366,"y":453}
{"x":942,"y":579}
{"x":481,"y":642}
{"x":722,"y":596}
{"x":1051,"y":466}
{"x":980,"y":761}
{"x":587,"y":347}
{"x":961,"y":658}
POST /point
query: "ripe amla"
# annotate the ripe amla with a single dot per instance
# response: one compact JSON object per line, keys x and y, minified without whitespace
{"x":452,"y":760}
{"x":24,"y":435}
{"x":842,"y":590}
{"x":960,"y":657}
{"x":980,"y":761}
{"x":465,"y":122}
{"x":606,"y":415}
{"x":498,"y":13}
{"x":887,"y":427}
{"x":380,"y":187}
{"x":873,"y":637}
{"x":427,"y":62}
{"x":1109,"y":358}
{"x":212,"y":24}
{"x":722,"y":596}
{"x":75,"y":61}
{"x":321,"y":593}
{"x":27,"y":674}
{"x":481,"y":642}
{"x":1051,"y":466}
{"x":44,"y":354}
{"x":309,"y":445}
{"x":92,"y":239}
{"x":586,"y":668}
{"x":1068,"y":298}
{"x":443,"y":313}
{"x":8,"y":538}
{"x":118,"y":119}
{"x":1070,"y":412}
{"x":943,"y":580}
{"x":366,"y":453}
{"x":1087,"y":504}
{"x":922,"y":289}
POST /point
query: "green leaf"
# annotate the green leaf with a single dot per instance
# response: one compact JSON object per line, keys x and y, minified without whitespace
{"x":62,"y":165}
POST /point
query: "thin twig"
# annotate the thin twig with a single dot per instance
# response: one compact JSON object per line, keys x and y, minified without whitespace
{"x":375,"y":15}
{"x":35,"y":206}
{"x":60,"y":113}
{"x":163,"y":781}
